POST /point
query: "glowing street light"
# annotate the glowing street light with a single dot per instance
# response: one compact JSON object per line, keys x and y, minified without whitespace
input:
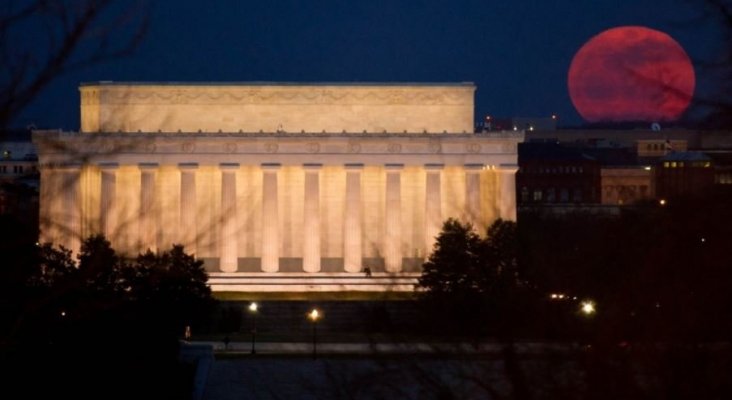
{"x":253,"y":307}
{"x":588,"y":307}
{"x":314,"y":315}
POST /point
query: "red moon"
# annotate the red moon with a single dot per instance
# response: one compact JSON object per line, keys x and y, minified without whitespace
{"x":631,"y":73}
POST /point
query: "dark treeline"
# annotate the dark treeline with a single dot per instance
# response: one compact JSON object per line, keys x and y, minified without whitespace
{"x":658,"y":279}
{"x":100,"y":325}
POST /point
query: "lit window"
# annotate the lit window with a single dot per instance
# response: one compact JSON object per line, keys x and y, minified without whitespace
{"x":537,"y":195}
{"x":707,"y":164}
{"x":673,"y":164}
{"x":666,"y":164}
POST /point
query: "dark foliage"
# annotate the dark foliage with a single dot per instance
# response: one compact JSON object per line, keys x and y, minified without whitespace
{"x":103,"y":327}
{"x":474,"y":284}
{"x":656,"y":272}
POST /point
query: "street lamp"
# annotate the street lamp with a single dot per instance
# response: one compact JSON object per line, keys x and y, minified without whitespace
{"x":314,"y":315}
{"x":588,"y":307}
{"x":253,"y":309}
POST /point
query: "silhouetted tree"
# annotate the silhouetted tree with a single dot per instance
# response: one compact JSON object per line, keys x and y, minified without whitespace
{"x":455,"y":267}
{"x":119,"y":320}
{"x":470,"y":279}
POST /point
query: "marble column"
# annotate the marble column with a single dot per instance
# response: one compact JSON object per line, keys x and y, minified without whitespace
{"x":270,"y":219}
{"x":149,"y":221}
{"x":507,"y":191}
{"x":433,"y":205}
{"x":352,"y":230}
{"x":108,"y":202}
{"x":311,"y":219}
{"x":228,"y":252}
{"x":393,"y":216}
{"x":472,"y":194}
{"x":71,"y":230}
{"x":46,"y":200}
{"x":188,"y":224}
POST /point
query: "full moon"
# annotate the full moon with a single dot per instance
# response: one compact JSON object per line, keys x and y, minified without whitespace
{"x":631,"y":73}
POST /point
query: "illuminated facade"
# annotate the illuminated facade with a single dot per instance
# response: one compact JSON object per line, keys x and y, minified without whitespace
{"x":277,"y":187}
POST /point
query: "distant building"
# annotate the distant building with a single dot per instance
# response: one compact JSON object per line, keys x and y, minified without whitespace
{"x":683,"y":173}
{"x":491,"y":123}
{"x":660,"y":147}
{"x":19,"y":177}
{"x":722,"y":164}
{"x":553,"y":174}
{"x":626,"y":185}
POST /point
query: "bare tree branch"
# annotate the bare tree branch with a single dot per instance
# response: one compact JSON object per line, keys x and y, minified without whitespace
{"x":79,"y":34}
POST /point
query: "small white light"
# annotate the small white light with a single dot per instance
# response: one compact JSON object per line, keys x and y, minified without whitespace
{"x":253,"y":307}
{"x":588,"y":307}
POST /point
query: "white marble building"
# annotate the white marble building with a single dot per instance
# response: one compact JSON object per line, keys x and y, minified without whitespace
{"x":277,"y":187}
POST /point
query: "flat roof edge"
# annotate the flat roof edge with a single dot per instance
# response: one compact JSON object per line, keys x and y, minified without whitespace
{"x":265,"y":83}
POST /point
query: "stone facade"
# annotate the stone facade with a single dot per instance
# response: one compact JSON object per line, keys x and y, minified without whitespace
{"x":276,"y":210}
{"x":377,"y":108}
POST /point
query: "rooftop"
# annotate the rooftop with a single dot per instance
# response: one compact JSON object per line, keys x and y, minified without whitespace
{"x":263,"y":83}
{"x":686,"y":156}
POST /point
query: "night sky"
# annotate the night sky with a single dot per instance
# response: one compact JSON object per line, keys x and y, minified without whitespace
{"x":517,"y":54}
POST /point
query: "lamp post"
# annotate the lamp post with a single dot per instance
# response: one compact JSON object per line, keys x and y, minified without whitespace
{"x":253,"y":309}
{"x":588,"y":307}
{"x":314,"y":315}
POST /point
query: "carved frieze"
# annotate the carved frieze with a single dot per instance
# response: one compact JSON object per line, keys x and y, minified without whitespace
{"x":194,"y":94}
{"x":394,"y":148}
{"x":354,"y":148}
{"x":230,"y":147}
{"x":434,"y":147}
{"x":312,"y":147}
{"x":472,"y":148}
{"x":271,"y":147}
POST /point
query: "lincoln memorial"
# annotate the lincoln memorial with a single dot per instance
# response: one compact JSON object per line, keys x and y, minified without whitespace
{"x":277,"y":187}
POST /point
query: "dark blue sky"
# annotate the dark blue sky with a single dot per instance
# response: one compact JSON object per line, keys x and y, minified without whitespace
{"x":517,"y":53}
